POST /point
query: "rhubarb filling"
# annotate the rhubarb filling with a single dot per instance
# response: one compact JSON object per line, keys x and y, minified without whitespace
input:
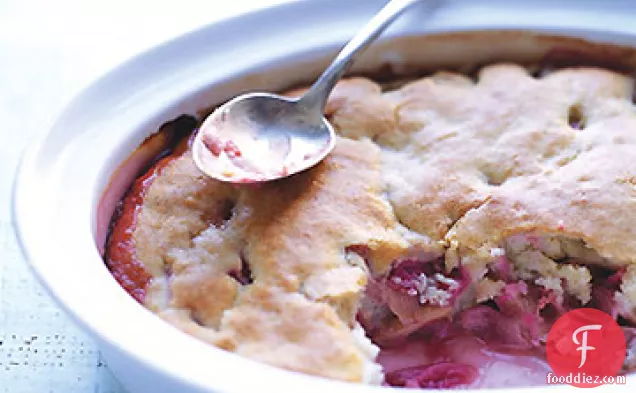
{"x":433,"y":335}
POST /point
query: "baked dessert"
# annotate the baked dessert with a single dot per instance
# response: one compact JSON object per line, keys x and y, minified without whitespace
{"x":456,"y":219}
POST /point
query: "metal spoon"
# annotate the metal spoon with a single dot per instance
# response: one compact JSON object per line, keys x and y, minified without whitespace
{"x":260,"y":137}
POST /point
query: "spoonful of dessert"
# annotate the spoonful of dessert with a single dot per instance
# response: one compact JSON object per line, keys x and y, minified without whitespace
{"x":259,"y":137}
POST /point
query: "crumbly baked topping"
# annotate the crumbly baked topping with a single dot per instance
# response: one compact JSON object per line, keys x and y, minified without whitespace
{"x":539,"y":172}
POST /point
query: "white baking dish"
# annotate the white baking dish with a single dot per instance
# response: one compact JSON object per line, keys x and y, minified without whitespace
{"x":65,"y":171}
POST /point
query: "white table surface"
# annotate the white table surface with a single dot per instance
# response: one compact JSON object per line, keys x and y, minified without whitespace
{"x":49,"y":50}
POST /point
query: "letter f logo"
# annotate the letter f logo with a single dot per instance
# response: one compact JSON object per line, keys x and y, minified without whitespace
{"x":584,"y":347}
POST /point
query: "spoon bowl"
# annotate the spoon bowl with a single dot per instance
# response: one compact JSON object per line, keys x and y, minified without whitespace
{"x":261,"y":137}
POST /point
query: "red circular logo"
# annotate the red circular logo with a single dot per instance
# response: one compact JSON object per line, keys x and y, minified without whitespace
{"x":585,"y":347}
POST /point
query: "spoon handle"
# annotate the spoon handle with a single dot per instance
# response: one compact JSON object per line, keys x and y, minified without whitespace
{"x":317,"y":95}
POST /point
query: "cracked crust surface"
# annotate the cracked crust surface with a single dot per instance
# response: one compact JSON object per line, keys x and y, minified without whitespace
{"x":293,"y":234}
{"x":441,"y":165}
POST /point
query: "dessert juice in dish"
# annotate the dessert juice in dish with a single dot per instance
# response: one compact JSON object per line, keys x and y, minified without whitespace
{"x":455,"y":221}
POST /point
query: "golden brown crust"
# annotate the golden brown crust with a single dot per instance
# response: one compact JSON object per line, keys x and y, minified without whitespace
{"x":293,"y":235}
{"x":443,"y":164}
{"x":567,"y":182}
